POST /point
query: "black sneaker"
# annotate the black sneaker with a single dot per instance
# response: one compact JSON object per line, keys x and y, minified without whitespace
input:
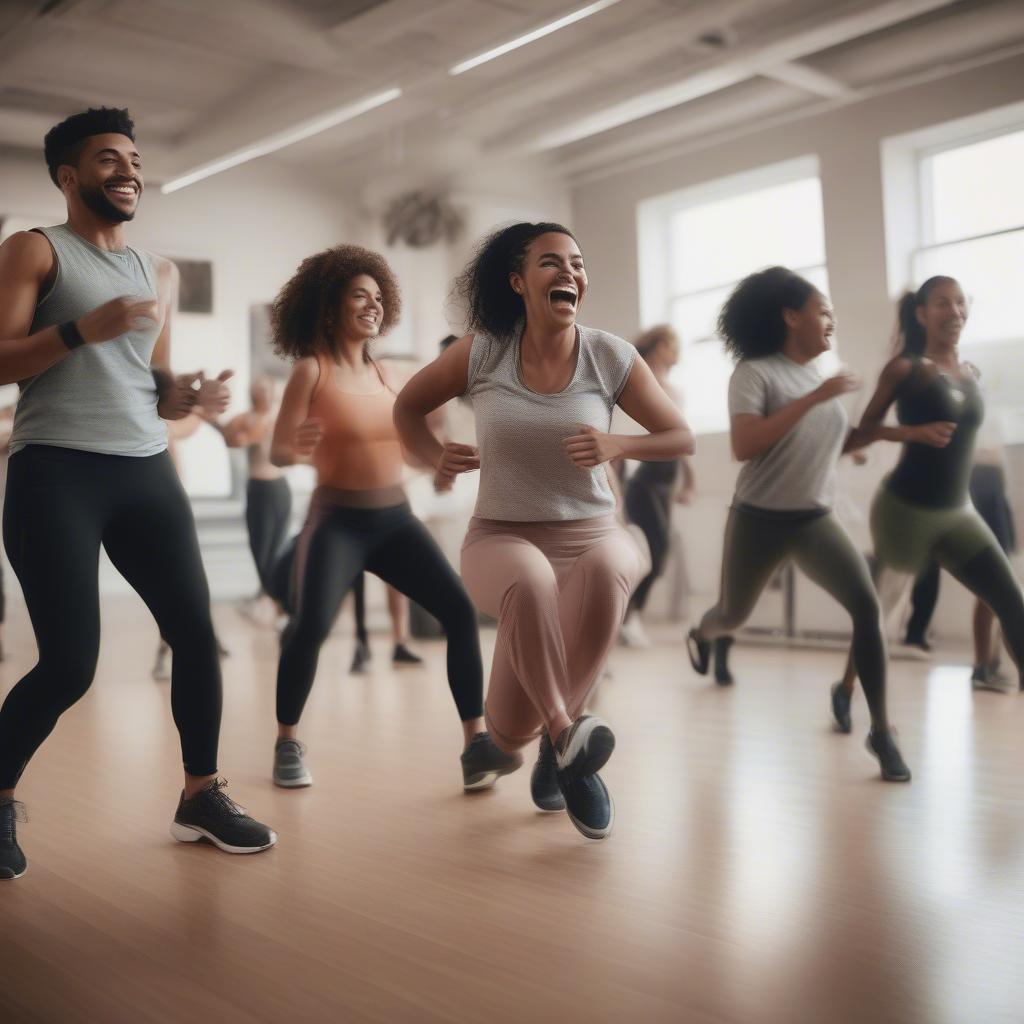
{"x":913,"y":640}
{"x":722,"y":674}
{"x":211,"y":814}
{"x":361,"y":657}
{"x":12,"y":860}
{"x":483,"y":762}
{"x":699,"y":651}
{"x":401,"y":655}
{"x":544,"y":778}
{"x":883,"y":746}
{"x":841,"y":720}
{"x":589,"y":804}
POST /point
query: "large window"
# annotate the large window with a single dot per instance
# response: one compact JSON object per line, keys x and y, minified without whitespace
{"x":697,"y":244}
{"x":972,"y":228}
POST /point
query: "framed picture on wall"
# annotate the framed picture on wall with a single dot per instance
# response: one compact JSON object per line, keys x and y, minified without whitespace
{"x":195,"y":287}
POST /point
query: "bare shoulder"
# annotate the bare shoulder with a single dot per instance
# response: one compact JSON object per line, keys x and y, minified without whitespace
{"x":29,"y":252}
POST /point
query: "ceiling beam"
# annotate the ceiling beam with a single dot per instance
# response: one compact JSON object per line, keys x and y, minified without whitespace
{"x":802,"y":76}
{"x":788,"y":43}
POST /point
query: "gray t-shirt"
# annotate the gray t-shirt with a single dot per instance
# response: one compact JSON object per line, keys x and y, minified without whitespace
{"x":101,"y":397}
{"x":798,"y":472}
{"x":526,"y":474}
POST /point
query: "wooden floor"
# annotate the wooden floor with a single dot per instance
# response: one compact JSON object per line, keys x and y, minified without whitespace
{"x":759,"y":872}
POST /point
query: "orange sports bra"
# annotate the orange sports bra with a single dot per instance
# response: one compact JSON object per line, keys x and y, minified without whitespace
{"x":359,"y":449}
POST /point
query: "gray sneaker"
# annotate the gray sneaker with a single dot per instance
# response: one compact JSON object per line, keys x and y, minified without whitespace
{"x":289,"y":769}
{"x":986,"y":678}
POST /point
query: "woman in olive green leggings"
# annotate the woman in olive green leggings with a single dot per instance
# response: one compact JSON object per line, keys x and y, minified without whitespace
{"x":788,"y":429}
{"x":922,"y":512}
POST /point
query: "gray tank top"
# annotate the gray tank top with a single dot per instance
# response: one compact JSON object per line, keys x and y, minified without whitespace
{"x":99,"y":398}
{"x":526,"y":474}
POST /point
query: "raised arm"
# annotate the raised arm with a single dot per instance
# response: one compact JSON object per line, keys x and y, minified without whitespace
{"x":296,"y":434}
{"x":872,"y":428}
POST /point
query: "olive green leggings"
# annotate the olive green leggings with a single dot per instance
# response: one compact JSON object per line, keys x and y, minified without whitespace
{"x":755,"y":546}
{"x":908,"y":536}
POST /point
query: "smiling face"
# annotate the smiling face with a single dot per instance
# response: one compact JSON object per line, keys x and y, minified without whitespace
{"x":552,"y":281}
{"x":360,"y":310}
{"x":810,"y":328}
{"x":944,"y":313}
{"x":107,"y":178}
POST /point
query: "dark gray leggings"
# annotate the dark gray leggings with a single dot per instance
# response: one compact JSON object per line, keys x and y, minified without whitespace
{"x":755,"y":546}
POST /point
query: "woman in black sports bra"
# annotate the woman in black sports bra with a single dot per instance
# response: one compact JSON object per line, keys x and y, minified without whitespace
{"x":922,"y":510}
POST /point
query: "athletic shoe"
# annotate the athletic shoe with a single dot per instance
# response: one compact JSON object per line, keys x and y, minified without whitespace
{"x":883,"y":747}
{"x":633,"y":634}
{"x":361,"y":657}
{"x":544,"y":778}
{"x":289,"y":769}
{"x":722,"y":674}
{"x":161,"y":667}
{"x":401,"y":655}
{"x":483,"y":763}
{"x":699,"y":651}
{"x":985,"y":678}
{"x":12,"y":860}
{"x":842,"y":722}
{"x":589,"y":804}
{"x":584,"y":747}
{"x":912,"y":640}
{"x":212,"y":815}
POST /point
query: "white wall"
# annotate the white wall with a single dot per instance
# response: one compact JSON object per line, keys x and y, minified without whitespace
{"x":847,"y":143}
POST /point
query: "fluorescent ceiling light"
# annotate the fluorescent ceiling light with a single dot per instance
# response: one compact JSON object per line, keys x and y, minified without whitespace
{"x":288,"y":137}
{"x":537,"y":33}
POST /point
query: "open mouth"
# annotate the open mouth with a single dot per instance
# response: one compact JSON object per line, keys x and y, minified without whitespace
{"x":563,"y":296}
{"x":126,"y":189}
{"x":369,"y":318}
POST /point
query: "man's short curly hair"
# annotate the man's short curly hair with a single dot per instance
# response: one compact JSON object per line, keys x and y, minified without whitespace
{"x":304,"y":309}
{"x":63,"y":142}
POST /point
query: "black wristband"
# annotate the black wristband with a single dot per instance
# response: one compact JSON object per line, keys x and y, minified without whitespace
{"x":70,"y":334}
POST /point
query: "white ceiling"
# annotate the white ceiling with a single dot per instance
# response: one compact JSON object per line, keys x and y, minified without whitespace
{"x":204,"y":78}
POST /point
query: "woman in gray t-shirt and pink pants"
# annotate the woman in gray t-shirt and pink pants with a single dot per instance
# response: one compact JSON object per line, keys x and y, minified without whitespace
{"x":788,"y":429}
{"x":545,"y":553}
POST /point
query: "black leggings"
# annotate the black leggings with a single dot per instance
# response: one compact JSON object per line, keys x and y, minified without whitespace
{"x":649,"y":506}
{"x":336,"y":545}
{"x":268,"y":507}
{"x":61,"y":506}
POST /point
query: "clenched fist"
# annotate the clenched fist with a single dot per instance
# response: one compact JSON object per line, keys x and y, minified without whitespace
{"x":117,"y":317}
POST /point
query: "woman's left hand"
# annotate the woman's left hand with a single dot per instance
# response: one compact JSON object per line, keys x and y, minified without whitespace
{"x":591,"y":448}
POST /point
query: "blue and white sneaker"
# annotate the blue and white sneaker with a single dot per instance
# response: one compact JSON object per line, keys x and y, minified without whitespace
{"x":544,"y":778}
{"x":582,"y":750}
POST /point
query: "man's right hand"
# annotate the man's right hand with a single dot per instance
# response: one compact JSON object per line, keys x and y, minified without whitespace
{"x":117,"y":317}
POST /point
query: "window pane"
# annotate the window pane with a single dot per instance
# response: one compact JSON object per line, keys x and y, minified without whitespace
{"x":989,"y":269}
{"x":976,"y":189}
{"x":729,"y":238}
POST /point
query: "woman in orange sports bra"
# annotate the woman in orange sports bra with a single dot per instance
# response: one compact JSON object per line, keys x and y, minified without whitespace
{"x":337,"y":414}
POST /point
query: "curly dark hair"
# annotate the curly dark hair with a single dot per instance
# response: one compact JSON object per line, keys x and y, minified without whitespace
{"x":63,"y":142}
{"x":910,"y":335}
{"x":304,"y":309}
{"x":751,"y":322}
{"x":491,"y":305}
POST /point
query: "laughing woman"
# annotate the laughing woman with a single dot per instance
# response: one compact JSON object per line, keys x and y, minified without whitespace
{"x":545,"y":553}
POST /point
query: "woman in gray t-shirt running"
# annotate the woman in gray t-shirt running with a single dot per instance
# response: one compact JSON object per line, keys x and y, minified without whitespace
{"x":545,"y":553}
{"x":788,"y":429}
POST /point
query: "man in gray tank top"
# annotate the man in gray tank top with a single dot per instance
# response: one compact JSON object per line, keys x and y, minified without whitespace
{"x":85,"y":332}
